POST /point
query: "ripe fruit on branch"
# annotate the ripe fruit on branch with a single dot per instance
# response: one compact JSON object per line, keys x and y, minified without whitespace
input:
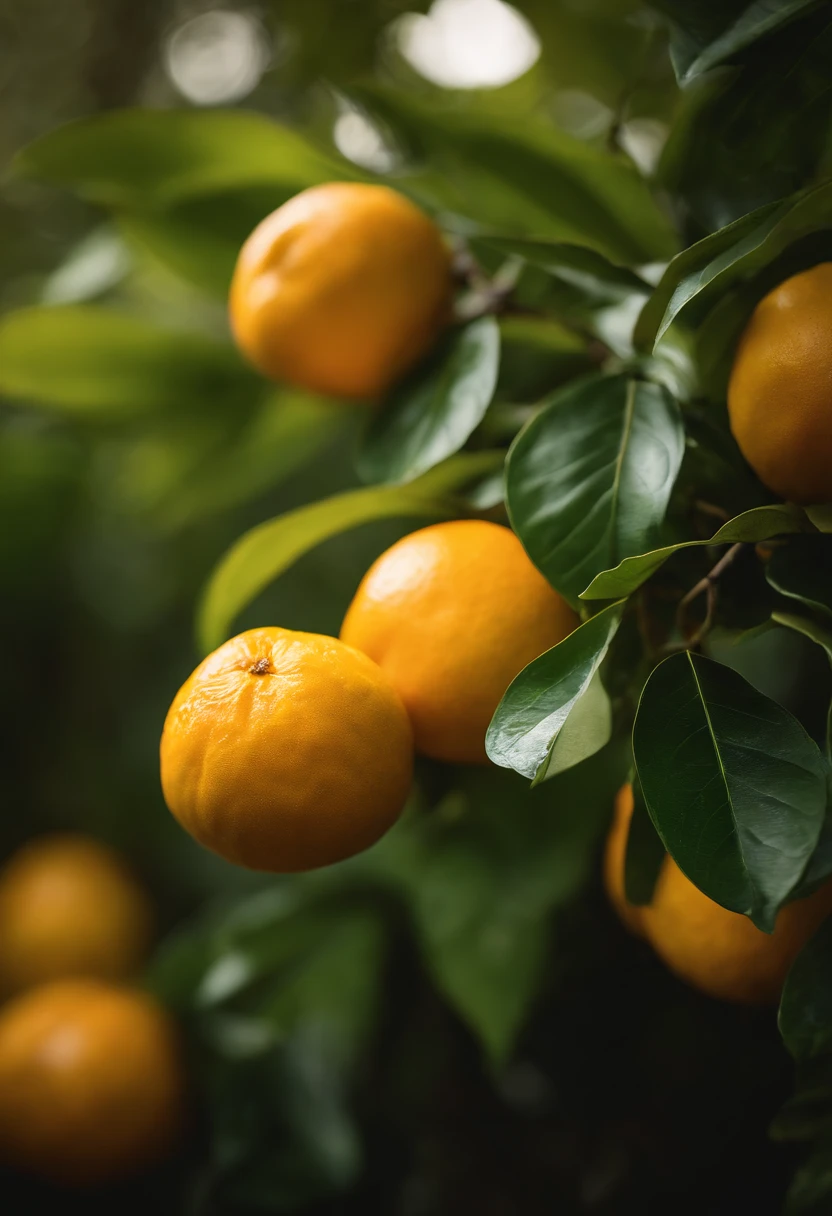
{"x":341,"y":290}
{"x":720,"y":952}
{"x":452,"y":613}
{"x":286,"y":751}
{"x":780,"y":392}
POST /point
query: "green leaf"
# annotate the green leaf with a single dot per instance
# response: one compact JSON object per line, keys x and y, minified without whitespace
{"x":734,"y":785}
{"x":821,"y":635}
{"x":805,"y":1017}
{"x":288,"y":429}
{"x":758,"y":20}
{"x":199,"y":238}
{"x":95,"y":363}
{"x":530,"y":730}
{"x":644,"y":854}
{"x":760,"y":523}
{"x":578,"y":265}
{"x":432,"y":414}
{"x":263,"y":553}
{"x":149,"y":158}
{"x":802,"y":570}
{"x":588,"y":479}
{"x":698,"y":276}
{"x":484,"y":944}
{"x":810,"y":1193}
{"x":529,"y":179}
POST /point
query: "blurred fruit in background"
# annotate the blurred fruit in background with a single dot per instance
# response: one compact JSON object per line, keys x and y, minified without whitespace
{"x":341,"y":290}
{"x":91,"y":1084}
{"x":70,"y":907}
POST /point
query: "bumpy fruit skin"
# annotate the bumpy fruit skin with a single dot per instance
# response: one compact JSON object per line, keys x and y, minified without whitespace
{"x":780,"y":391}
{"x":717,"y":951}
{"x":286,"y":751}
{"x":341,"y":290}
{"x":91,"y":1087}
{"x":452,"y":613}
{"x":69,"y":907}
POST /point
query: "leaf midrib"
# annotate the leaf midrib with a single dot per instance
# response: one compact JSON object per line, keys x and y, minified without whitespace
{"x":722,"y":771}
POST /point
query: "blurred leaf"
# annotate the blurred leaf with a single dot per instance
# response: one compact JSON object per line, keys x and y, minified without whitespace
{"x":821,"y":517}
{"x":819,"y":869}
{"x":580,"y":266}
{"x":529,"y":179}
{"x":146,"y":158}
{"x":199,"y":238}
{"x":757,"y":20}
{"x":530,"y":728}
{"x":750,"y":135}
{"x":644,"y":854}
{"x":434,"y":411}
{"x":760,"y":523}
{"x":588,"y":478}
{"x":489,"y":879}
{"x":805,"y":1017}
{"x":260,"y":555}
{"x":96,"y":265}
{"x":282,"y":435}
{"x":734,"y":785}
{"x":99,"y":364}
{"x":802,"y":570}
{"x":810,"y":1193}
{"x":698,"y":277}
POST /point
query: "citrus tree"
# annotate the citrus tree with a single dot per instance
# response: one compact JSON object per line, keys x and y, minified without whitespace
{"x":629,"y":367}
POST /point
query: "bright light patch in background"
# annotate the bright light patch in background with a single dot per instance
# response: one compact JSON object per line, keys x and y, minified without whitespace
{"x":360,"y":141}
{"x":468,"y":44}
{"x":217,"y":57}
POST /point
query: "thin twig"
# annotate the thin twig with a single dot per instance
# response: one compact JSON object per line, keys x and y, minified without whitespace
{"x":707,"y":586}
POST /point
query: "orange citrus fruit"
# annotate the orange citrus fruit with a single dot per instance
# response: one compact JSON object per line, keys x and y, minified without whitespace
{"x":780,"y":391}
{"x":341,"y":289}
{"x":452,"y":613}
{"x":720,"y":952}
{"x":69,"y":907}
{"x":90,"y":1081}
{"x":286,"y":751}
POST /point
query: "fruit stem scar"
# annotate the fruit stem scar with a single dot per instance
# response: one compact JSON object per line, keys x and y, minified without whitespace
{"x":261,"y":668}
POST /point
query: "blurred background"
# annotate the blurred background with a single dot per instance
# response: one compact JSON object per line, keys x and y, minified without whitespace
{"x":625,"y":1093}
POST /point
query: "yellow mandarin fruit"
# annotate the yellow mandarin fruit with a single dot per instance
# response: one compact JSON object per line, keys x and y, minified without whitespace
{"x":717,"y":951}
{"x":452,"y":613}
{"x":69,"y":907}
{"x":780,"y":391}
{"x":90,"y":1082}
{"x":286,"y":751}
{"x":341,"y":289}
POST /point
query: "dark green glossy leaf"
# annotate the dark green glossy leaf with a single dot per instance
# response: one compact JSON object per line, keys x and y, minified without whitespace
{"x":95,"y":363}
{"x":696,"y":277}
{"x":758,"y":20}
{"x":644,"y":853}
{"x":147,"y":158}
{"x":555,"y":712}
{"x":802,"y":570}
{"x":529,"y":179}
{"x":821,"y":635}
{"x":580,"y":266}
{"x":734,"y":785}
{"x":806,"y":1005}
{"x":589,"y":478}
{"x":760,"y":523}
{"x":260,"y":555}
{"x":432,"y":413}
